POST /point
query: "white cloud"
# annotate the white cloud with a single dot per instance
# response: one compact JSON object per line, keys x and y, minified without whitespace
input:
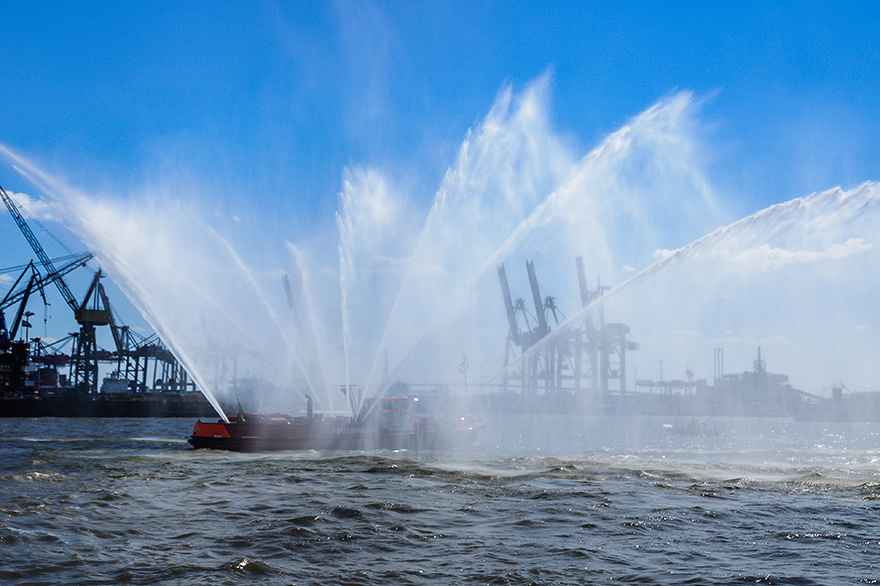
{"x":765,"y":257}
{"x":663,"y":254}
{"x":34,"y":207}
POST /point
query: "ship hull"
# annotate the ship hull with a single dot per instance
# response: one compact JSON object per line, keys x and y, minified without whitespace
{"x":303,"y":433}
{"x":154,"y":405}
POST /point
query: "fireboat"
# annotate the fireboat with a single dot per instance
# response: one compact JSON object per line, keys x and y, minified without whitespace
{"x":384,"y":423}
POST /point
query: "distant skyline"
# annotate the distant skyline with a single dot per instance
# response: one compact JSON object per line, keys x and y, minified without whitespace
{"x":266,"y":109}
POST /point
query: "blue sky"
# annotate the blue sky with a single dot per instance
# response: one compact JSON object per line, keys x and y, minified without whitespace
{"x":266,"y":105}
{"x":280,"y":97}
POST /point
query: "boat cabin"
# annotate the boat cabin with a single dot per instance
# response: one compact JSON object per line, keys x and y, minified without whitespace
{"x":390,"y":413}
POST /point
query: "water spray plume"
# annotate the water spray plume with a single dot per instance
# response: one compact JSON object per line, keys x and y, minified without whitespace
{"x":309,"y":343}
{"x":470,"y":228}
{"x":407,"y":293}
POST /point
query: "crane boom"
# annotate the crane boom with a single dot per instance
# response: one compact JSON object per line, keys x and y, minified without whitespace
{"x":536,"y":295}
{"x":10,"y":295}
{"x":38,"y":250}
{"x":13,"y":329}
{"x":14,"y":297}
{"x":508,"y":304}
{"x":582,"y":282}
{"x":114,"y":329}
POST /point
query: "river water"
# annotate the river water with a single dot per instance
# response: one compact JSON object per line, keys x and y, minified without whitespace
{"x":553,"y":500}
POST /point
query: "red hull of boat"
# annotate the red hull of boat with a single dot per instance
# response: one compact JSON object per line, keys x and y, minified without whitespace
{"x":273,"y":433}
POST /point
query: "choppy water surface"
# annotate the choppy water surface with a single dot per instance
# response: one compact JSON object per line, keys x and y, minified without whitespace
{"x":546,"y":501}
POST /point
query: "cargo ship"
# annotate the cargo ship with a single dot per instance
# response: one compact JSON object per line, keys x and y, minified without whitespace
{"x":386,"y":423}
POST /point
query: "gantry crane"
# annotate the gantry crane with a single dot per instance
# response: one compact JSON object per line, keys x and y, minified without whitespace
{"x":539,"y":372}
{"x":586,"y":359}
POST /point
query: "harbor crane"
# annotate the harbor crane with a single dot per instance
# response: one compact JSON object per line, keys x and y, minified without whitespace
{"x":540,"y":371}
{"x":586,"y":360}
{"x":85,"y":359}
{"x":37,"y":282}
{"x":7,"y":334}
{"x":133,"y":354}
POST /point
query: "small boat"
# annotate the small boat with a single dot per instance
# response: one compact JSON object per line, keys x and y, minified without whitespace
{"x":386,"y":423}
{"x":694,"y":428}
